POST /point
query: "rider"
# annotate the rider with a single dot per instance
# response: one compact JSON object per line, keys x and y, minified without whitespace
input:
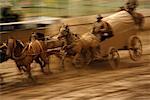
{"x":130,"y":5}
{"x":100,"y":28}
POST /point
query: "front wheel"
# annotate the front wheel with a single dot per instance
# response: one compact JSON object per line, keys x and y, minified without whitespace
{"x":135,"y":48}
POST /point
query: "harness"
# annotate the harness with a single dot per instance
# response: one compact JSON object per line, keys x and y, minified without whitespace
{"x":35,"y":49}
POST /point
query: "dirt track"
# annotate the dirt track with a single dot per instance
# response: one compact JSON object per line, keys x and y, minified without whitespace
{"x":94,"y":82}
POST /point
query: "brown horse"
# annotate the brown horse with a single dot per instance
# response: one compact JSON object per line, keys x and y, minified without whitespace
{"x":52,"y":44}
{"x":81,"y":48}
{"x":24,"y":56}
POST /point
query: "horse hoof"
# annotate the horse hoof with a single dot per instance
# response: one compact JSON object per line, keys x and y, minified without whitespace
{"x":31,"y":78}
{"x":19,"y":73}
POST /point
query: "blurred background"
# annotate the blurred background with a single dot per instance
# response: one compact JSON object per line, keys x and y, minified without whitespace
{"x":66,"y":8}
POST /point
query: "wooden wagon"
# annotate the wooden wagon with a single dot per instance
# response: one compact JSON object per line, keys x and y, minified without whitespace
{"x":125,"y":38}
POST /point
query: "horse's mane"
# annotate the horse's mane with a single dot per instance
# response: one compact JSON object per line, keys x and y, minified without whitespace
{"x":19,"y":49}
{"x":20,"y":43}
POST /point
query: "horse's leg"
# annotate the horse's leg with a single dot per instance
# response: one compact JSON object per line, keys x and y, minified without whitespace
{"x":24,"y":68}
{"x":29,"y":72}
{"x":89,"y":56}
{"x":78,"y":58}
{"x":39,"y":60}
{"x":61,"y":56}
{"x":58,"y":55}
{"x":45,"y":58}
{"x":20,"y":69}
{"x":77,"y":61}
{"x":95,"y":53}
{"x":63,"y":60}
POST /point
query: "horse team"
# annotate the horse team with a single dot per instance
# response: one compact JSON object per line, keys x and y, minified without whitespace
{"x":84,"y":49}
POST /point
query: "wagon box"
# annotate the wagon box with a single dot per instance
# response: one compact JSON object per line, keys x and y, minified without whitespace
{"x":125,"y":35}
{"x":122,"y":22}
{"x":123,"y":26}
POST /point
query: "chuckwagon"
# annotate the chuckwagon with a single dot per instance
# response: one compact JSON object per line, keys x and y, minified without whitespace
{"x":124,"y":37}
{"x":82,"y":48}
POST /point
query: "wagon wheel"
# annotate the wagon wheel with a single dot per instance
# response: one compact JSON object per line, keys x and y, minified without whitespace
{"x":135,"y":48}
{"x":113,"y":58}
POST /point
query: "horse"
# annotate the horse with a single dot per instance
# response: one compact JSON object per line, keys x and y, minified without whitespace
{"x":3,"y":48}
{"x":52,"y":44}
{"x":24,"y":55}
{"x":82,"y":48}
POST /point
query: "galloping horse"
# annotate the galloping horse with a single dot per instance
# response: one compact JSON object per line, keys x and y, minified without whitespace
{"x":79,"y":47}
{"x":24,"y":55}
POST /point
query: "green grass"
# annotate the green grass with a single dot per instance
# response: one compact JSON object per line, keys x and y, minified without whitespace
{"x":62,"y":8}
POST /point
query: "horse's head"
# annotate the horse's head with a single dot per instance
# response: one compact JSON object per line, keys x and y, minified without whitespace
{"x":33,"y":36}
{"x":14,"y":46}
{"x":38,"y":36}
{"x":64,"y":31}
{"x":19,"y":47}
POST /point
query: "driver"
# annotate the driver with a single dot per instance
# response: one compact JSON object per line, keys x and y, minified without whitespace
{"x":101,"y":28}
{"x":131,"y":5}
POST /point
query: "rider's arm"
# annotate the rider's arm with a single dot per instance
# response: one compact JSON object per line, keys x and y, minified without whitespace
{"x":103,"y":27}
